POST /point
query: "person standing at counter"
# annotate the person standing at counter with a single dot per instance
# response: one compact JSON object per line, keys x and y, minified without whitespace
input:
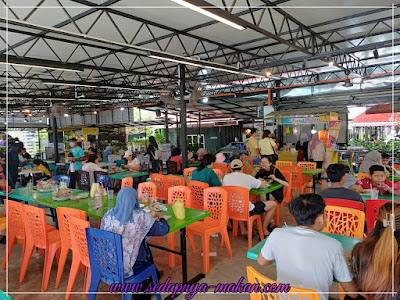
{"x":252,"y":144}
{"x":77,"y":157}
{"x":268,"y":147}
{"x":317,"y":152}
{"x":302,"y":147}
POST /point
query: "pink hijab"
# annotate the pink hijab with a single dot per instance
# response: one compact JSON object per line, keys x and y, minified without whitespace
{"x":315,"y":141}
{"x":200,"y":153}
{"x":220,"y":158}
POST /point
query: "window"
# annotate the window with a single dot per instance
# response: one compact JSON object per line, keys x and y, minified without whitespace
{"x":199,"y":139}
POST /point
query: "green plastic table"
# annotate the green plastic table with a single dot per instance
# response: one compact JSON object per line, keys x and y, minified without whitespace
{"x":347,"y":244}
{"x":394,"y":178}
{"x":386,"y":197}
{"x":263,"y":191}
{"x":313,"y":173}
{"x":122,"y":175}
{"x":193,"y":165}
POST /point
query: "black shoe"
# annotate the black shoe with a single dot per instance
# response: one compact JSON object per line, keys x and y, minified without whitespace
{"x":3,"y":240}
{"x":271,"y":228}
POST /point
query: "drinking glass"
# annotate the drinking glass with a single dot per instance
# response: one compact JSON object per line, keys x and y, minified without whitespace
{"x":374,"y":194}
{"x":29,"y":186}
{"x":145,"y":198}
{"x":110,"y":197}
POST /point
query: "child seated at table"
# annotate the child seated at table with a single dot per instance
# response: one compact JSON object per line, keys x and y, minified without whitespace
{"x":41,"y":166}
{"x":135,"y":225}
{"x":373,"y":257}
{"x":377,"y":181}
{"x":304,"y":257}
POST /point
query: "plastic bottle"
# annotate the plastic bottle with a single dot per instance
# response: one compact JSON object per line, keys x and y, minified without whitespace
{"x":72,"y":167}
{"x":99,"y":200}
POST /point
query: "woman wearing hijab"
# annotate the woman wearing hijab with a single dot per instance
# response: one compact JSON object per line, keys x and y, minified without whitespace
{"x":220,"y":158}
{"x":200,"y":153}
{"x":135,"y":225}
{"x":302,"y":147}
{"x":317,"y":152}
{"x":152,"y":148}
{"x":371,"y":158}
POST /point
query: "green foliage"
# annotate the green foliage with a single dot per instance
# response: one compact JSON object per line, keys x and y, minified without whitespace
{"x":192,"y":146}
{"x":379,"y":145}
{"x":213,"y":151}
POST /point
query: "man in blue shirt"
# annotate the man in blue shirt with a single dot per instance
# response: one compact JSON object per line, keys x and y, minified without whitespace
{"x":78,"y":157}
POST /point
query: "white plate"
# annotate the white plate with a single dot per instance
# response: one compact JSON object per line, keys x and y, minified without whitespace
{"x":45,"y":191}
{"x":61,"y":199}
{"x":141,"y":205}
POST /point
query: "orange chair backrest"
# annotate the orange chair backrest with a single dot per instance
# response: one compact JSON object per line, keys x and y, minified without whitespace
{"x":250,"y":160}
{"x":188,"y":171}
{"x":287,"y":191}
{"x":361,"y":176}
{"x":162,"y":185}
{"x":222,"y":167}
{"x":280,"y":163}
{"x":344,"y":221}
{"x":35,"y":225}
{"x":181,"y":192}
{"x":218,"y":172}
{"x":175,"y":180}
{"x":297,"y":176}
{"x":78,"y":239}
{"x":127,"y":181}
{"x":253,"y":277}
{"x":238,"y":203}
{"x":63,"y":214}
{"x":216,"y":202}
{"x":149,"y":188}
{"x":308,"y":165}
{"x":197,"y":188}
{"x":16,"y":218}
{"x":396,"y":166}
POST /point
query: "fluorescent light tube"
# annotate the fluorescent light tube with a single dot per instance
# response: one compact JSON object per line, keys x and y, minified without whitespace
{"x":209,"y":14}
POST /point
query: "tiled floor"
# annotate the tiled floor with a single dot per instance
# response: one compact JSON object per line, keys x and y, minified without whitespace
{"x":223,"y":269}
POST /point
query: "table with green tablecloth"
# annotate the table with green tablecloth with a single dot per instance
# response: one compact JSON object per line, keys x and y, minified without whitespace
{"x":46,"y":198}
{"x":194,"y":165}
{"x":263,"y":191}
{"x":347,"y":244}
{"x":394,"y":178}
{"x":313,"y":173}
{"x":122,"y":175}
{"x":385,"y":197}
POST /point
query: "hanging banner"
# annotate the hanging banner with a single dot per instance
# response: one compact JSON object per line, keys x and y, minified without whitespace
{"x":305,"y":120}
{"x":90,"y":131}
{"x":333,"y":134}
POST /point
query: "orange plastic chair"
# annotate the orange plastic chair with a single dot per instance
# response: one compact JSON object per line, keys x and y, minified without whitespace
{"x":280,"y":163}
{"x":307,"y":165}
{"x":253,"y":277}
{"x":216,"y":202}
{"x":63,"y":214}
{"x":3,"y":224}
{"x":344,"y":221}
{"x":38,"y":236}
{"x":396,"y":166}
{"x":175,"y":180}
{"x":80,"y":255}
{"x":361,"y":176}
{"x":249,"y":160}
{"x":185,"y":194}
{"x":297,"y":177}
{"x":148,"y":188}
{"x":162,"y":185}
{"x":222,"y":167}
{"x":197,"y":188}
{"x":187,"y":173}
{"x":127,"y":181}
{"x":287,"y":196}
{"x":238,"y":210}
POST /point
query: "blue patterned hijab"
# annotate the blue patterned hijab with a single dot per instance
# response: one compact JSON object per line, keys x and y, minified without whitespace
{"x":128,"y":220}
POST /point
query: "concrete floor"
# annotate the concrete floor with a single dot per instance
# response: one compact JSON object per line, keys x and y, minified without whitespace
{"x":222,"y":269}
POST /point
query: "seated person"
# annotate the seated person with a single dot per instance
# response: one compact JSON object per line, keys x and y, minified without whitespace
{"x":135,"y":225}
{"x":133,"y":163}
{"x":337,"y":175}
{"x":3,"y":182}
{"x":177,"y":157}
{"x":41,"y":165}
{"x":91,"y":166}
{"x":200,"y":154}
{"x":269,"y":171}
{"x":247,"y":168}
{"x":367,"y":263}
{"x":377,"y":181}
{"x":205,"y":172}
{"x":108,"y":151}
{"x":22,"y":160}
{"x":304,"y":257}
{"x":238,"y":178}
{"x":389,"y":170}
